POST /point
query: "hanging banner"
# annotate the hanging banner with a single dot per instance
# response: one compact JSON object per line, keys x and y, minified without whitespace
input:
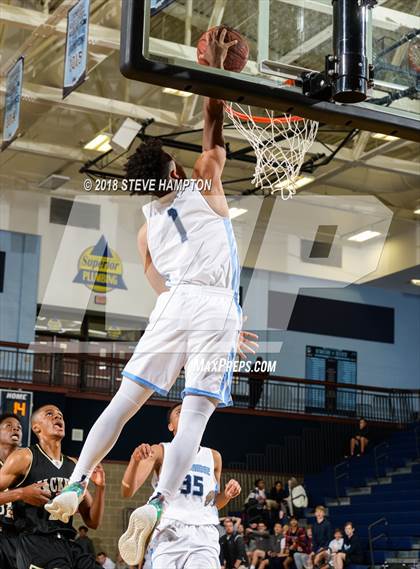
{"x":75,"y":60}
{"x":14,"y":82}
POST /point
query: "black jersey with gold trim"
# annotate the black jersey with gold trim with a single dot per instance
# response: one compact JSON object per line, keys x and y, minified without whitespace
{"x":55,"y":474}
{"x":6,"y":514}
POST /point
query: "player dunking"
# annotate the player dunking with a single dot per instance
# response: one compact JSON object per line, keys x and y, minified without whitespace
{"x":190,"y":259}
{"x":187,"y":537}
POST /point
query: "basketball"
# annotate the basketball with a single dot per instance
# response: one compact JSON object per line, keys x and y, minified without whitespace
{"x":237,"y":55}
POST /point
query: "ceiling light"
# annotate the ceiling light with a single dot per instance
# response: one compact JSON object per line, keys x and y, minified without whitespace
{"x":298,"y":183}
{"x":99,"y":142}
{"x":105,"y":147}
{"x":386,"y":137}
{"x":364,"y":236}
{"x":417,"y":210}
{"x":415,"y":282}
{"x":236,"y":212}
{"x":97,"y":332}
{"x":177,"y":92}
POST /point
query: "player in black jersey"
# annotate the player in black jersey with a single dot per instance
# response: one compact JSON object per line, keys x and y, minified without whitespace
{"x":42,"y":542}
{"x":10,"y":440}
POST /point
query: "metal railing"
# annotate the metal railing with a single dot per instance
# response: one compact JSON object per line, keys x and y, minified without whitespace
{"x":101,"y":375}
{"x":339,"y":476}
{"x":417,"y":438}
{"x":380,"y":452}
{"x":372,"y":540}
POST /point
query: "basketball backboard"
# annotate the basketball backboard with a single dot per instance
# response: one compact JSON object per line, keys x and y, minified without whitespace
{"x":285,"y":38}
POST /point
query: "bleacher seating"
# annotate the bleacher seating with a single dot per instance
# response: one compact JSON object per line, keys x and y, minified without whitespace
{"x":369,"y":489}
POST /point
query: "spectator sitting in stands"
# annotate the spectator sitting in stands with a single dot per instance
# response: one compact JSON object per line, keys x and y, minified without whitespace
{"x":360,"y":440}
{"x":256,"y":503}
{"x":105,"y":561}
{"x":232,"y":548}
{"x":277,"y":552}
{"x":352,"y":551}
{"x":321,"y":535}
{"x":277,"y":495}
{"x":335,"y":545}
{"x":297,"y":499}
{"x":282,"y":518}
{"x":294,"y":536}
{"x":236,"y":523}
{"x":261,"y":536}
{"x":250,"y":544}
{"x":302,"y":557}
{"x":84,"y":541}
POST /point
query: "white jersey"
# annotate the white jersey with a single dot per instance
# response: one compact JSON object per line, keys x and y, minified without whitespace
{"x":195,"y":502}
{"x":190,"y":243}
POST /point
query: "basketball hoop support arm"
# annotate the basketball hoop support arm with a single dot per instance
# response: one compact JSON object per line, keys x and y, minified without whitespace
{"x":348,"y":68}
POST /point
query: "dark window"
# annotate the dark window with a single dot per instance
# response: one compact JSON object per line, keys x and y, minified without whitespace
{"x":331,"y":317}
{"x":67,"y":212}
{"x":323,"y":250}
{"x":321,"y":247}
{"x":2,"y":269}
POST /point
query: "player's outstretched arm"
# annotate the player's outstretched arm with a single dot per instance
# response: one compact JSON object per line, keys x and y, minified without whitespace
{"x":212,"y":161}
{"x":156,"y":280}
{"x":144,"y":460}
{"x":12,"y":472}
{"x":92,"y":508}
{"x":232,"y":488}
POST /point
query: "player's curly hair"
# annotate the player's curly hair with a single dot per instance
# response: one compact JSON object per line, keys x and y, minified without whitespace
{"x":149,"y":161}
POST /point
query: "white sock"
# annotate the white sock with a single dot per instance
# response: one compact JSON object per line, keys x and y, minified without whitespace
{"x":196,"y":410}
{"x":105,"y":432}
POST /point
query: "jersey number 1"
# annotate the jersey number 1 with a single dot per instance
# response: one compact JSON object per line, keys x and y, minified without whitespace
{"x":193,"y":485}
{"x":173,"y":214}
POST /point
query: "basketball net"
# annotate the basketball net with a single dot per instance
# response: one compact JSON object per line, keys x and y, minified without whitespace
{"x":280,"y":143}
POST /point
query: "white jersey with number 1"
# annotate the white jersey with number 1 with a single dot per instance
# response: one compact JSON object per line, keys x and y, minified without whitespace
{"x":190,"y":243}
{"x":195,"y":323}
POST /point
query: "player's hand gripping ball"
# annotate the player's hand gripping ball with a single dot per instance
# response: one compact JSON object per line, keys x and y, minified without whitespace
{"x":223,"y":47}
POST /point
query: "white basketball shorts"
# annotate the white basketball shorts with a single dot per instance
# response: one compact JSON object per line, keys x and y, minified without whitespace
{"x":192,"y":327}
{"x":175,"y":545}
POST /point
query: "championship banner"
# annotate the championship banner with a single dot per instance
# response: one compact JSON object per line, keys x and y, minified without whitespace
{"x":19,"y":403}
{"x":75,"y":60}
{"x":14,"y":82}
